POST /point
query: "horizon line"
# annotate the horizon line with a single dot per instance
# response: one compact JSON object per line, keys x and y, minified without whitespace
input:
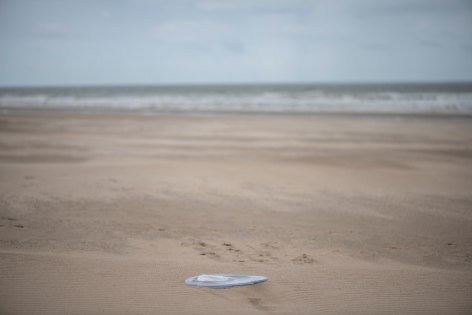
{"x":241,"y":83}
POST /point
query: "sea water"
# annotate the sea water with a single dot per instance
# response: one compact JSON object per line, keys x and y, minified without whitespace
{"x":448,"y":98}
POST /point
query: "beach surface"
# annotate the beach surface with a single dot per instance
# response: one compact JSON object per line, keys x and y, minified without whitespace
{"x":360,"y":214}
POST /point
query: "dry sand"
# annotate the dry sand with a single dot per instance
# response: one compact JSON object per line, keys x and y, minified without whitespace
{"x":109,"y":214}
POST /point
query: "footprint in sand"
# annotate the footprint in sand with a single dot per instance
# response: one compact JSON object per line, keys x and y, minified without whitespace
{"x":229,"y":247}
{"x":270,"y":245}
{"x":8,"y":218}
{"x":303,"y":259}
{"x":228,"y":251}
{"x":262,"y":253}
{"x":256,"y":303}
{"x":20,"y":226}
{"x":203,"y":248}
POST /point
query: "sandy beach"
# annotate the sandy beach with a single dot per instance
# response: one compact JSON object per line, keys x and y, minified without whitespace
{"x":109,"y":214}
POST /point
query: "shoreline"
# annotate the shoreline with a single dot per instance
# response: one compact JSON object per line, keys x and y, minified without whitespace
{"x":210,"y":113}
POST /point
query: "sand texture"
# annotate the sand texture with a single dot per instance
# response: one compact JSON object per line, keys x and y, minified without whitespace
{"x":109,"y":214}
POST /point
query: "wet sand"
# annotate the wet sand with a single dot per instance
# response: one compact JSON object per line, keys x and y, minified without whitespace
{"x":110,"y":214}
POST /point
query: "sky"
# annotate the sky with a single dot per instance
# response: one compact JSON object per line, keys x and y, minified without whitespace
{"x":89,"y":42}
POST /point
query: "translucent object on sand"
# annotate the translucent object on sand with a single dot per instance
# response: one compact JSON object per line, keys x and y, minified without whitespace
{"x":219,"y":281}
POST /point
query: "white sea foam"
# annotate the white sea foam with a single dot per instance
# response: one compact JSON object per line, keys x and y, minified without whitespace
{"x":260,"y":98}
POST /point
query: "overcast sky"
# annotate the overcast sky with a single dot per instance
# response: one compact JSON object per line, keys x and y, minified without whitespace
{"x":66,"y":42}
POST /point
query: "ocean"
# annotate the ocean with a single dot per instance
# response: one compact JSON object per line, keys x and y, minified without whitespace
{"x":445,"y":98}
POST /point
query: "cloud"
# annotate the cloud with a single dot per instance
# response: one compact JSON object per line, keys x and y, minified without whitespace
{"x":105,"y":13}
{"x":467,"y":47}
{"x":234,"y":46}
{"x":48,"y":30}
{"x":377,"y":47}
{"x":189,"y":31}
{"x":244,"y":6}
{"x":430,"y":43}
{"x":226,"y":40}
